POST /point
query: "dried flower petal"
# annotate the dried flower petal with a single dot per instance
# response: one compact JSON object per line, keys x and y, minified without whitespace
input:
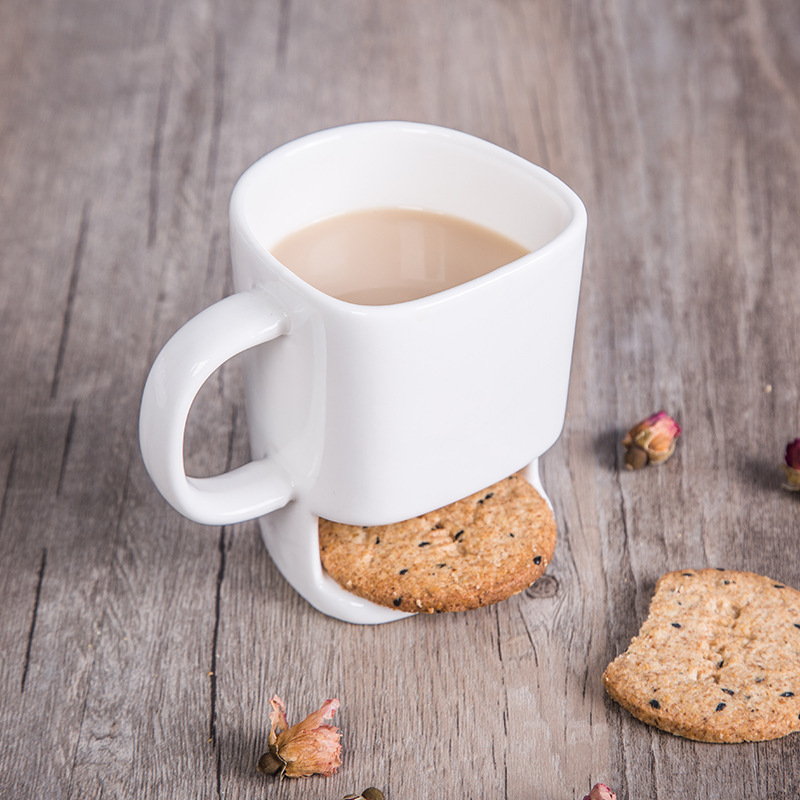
{"x":791,"y":465}
{"x":368,"y":794}
{"x":651,"y":441}
{"x":310,"y":747}
{"x":792,"y":457}
{"x":601,"y":792}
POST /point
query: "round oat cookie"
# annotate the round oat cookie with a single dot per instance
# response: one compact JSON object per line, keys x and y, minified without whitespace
{"x":472,"y":553}
{"x":716,"y":660}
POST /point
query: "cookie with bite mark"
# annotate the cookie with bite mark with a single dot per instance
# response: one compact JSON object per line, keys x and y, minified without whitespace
{"x":716,"y":660}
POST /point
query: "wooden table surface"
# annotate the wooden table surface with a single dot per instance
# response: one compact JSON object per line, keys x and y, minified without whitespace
{"x":138,"y":650}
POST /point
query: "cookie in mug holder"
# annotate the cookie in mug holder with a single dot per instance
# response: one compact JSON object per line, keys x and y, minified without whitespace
{"x":371,"y":414}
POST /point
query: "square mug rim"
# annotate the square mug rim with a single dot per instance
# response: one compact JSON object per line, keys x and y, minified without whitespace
{"x":241,"y":200}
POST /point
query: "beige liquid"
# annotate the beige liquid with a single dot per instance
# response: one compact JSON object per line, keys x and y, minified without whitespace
{"x":390,"y":255}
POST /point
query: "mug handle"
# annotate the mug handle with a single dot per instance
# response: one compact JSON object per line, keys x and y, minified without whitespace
{"x":236,"y":323}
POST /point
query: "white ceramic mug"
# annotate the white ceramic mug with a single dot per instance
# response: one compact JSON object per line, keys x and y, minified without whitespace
{"x":368,"y":415}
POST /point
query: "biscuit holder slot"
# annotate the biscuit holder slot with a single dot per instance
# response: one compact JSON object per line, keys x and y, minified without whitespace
{"x":291,"y":536}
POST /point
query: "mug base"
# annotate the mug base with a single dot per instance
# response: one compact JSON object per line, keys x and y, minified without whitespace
{"x":291,"y":536}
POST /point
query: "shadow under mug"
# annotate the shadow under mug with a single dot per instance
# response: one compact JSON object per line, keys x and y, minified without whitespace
{"x":368,"y":415}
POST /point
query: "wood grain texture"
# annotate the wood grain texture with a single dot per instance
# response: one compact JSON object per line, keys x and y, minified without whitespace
{"x":138,"y":650}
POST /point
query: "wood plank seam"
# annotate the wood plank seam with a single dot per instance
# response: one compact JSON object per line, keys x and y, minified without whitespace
{"x":65,"y":452}
{"x":77,"y":258}
{"x":284,"y":17}
{"x":155,"y":153}
{"x":7,"y":487}
{"x":215,"y":639}
{"x":34,"y":616}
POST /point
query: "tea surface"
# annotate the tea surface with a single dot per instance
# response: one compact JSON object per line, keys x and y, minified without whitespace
{"x":391,"y":255}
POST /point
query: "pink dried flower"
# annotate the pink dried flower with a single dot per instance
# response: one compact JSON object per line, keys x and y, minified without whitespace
{"x":307,"y":748}
{"x":791,"y":464}
{"x":601,"y":792}
{"x":651,"y":441}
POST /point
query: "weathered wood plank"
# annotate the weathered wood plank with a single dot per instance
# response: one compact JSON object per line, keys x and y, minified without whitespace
{"x":122,"y":130}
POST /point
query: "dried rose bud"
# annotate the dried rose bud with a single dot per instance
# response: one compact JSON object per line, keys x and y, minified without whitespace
{"x":651,"y":441}
{"x":791,"y":464}
{"x":368,"y":794}
{"x":601,"y":792}
{"x":307,"y":748}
